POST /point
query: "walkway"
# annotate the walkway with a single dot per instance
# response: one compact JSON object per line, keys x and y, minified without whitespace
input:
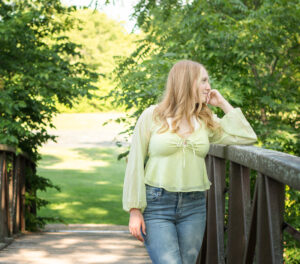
{"x":76,"y":244}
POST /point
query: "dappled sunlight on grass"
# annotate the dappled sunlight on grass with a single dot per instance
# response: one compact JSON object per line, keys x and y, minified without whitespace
{"x":63,"y":195}
{"x":105,"y":154}
{"x":102,"y":182}
{"x":91,"y":182}
{"x":83,"y":121}
{"x":80,"y":159}
{"x":108,"y":198}
{"x":49,"y":160}
{"x":96,"y":211}
{"x":82,"y":165}
{"x":63,"y":205}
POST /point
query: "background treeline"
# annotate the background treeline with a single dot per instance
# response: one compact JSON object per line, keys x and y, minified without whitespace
{"x":102,"y":41}
{"x":40,"y":67}
{"x":251,"y":51}
{"x":53,"y":58}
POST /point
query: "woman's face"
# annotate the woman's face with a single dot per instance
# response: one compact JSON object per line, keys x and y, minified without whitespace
{"x":203,"y":85}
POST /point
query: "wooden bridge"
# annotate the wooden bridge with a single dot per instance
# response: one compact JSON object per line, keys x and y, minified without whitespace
{"x":249,"y":231}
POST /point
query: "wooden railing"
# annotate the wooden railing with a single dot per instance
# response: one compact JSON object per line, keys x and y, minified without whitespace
{"x":254,"y":229}
{"x":12,"y":192}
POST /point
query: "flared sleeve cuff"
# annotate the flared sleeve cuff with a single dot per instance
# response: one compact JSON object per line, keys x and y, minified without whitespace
{"x":127,"y":205}
{"x":236,"y":130}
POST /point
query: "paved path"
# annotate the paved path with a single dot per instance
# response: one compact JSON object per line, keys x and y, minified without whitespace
{"x":86,"y":130}
{"x":76,"y":244}
{"x":79,"y":244}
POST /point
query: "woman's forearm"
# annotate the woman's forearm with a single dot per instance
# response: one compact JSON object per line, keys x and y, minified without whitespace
{"x":225,"y":106}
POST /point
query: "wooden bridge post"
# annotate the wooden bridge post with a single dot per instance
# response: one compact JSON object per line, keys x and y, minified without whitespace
{"x":214,"y":235}
{"x":254,"y":229}
{"x":4,"y":210}
{"x":12,"y":192}
{"x":22,"y":194}
{"x":270,"y":220}
{"x":239,"y":204}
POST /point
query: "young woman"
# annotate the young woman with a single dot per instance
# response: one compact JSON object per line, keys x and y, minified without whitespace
{"x":166,"y":196}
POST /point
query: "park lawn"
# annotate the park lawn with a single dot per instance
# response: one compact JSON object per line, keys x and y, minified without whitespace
{"x":91,"y":181}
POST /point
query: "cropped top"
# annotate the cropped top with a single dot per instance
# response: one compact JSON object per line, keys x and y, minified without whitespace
{"x":175,"y":163}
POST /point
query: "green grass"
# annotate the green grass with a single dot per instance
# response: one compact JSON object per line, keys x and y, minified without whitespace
{"x":91,"y":182}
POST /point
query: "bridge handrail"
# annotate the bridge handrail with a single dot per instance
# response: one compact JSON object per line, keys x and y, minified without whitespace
{"x":13,"y":167}
{"x":280,"y":166}
{"x":255,"y":225}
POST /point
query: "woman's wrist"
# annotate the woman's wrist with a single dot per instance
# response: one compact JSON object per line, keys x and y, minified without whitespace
{"x":225,"y":106}
{"x":134,"y":210}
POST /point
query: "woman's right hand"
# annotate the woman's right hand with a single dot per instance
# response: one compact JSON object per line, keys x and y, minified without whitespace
{"x":135,"y":222}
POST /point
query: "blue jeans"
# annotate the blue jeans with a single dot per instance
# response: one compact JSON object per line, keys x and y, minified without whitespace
{"x":175,"y":225}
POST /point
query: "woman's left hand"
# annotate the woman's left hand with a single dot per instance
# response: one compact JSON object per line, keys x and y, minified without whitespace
{"x":215,"y":98}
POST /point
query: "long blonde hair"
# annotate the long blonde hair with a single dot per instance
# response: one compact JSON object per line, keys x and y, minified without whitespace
{"x":181,"y":99}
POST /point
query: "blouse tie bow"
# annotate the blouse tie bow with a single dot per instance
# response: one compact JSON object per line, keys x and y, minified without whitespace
{"x":183,"y":144}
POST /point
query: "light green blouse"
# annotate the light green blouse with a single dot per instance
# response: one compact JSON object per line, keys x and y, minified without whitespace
{"x":176,"y":164}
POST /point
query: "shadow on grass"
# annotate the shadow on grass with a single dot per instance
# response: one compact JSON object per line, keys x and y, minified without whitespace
{"x":48,"y":160}
{"x":106,"y":154}
{"x":93,"y":195}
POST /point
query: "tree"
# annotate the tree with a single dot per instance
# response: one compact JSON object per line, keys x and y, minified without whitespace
{"x":101,"y":41}
{"x":38,"y":67}
{"x":249,"y":48}
{"x":251,"y":51}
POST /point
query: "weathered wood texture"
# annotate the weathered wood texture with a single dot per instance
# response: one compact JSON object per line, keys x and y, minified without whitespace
{"x":12,"y":193}
{"x":252,"y":232}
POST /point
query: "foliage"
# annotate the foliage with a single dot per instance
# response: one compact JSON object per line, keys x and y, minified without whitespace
{"x":91,"y":189}
{"x":35,"y":74}
{"x":101,"y":40}
{"x":33,"y":183}
{"x":250,"y":49}
{"x":250,"y":52}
